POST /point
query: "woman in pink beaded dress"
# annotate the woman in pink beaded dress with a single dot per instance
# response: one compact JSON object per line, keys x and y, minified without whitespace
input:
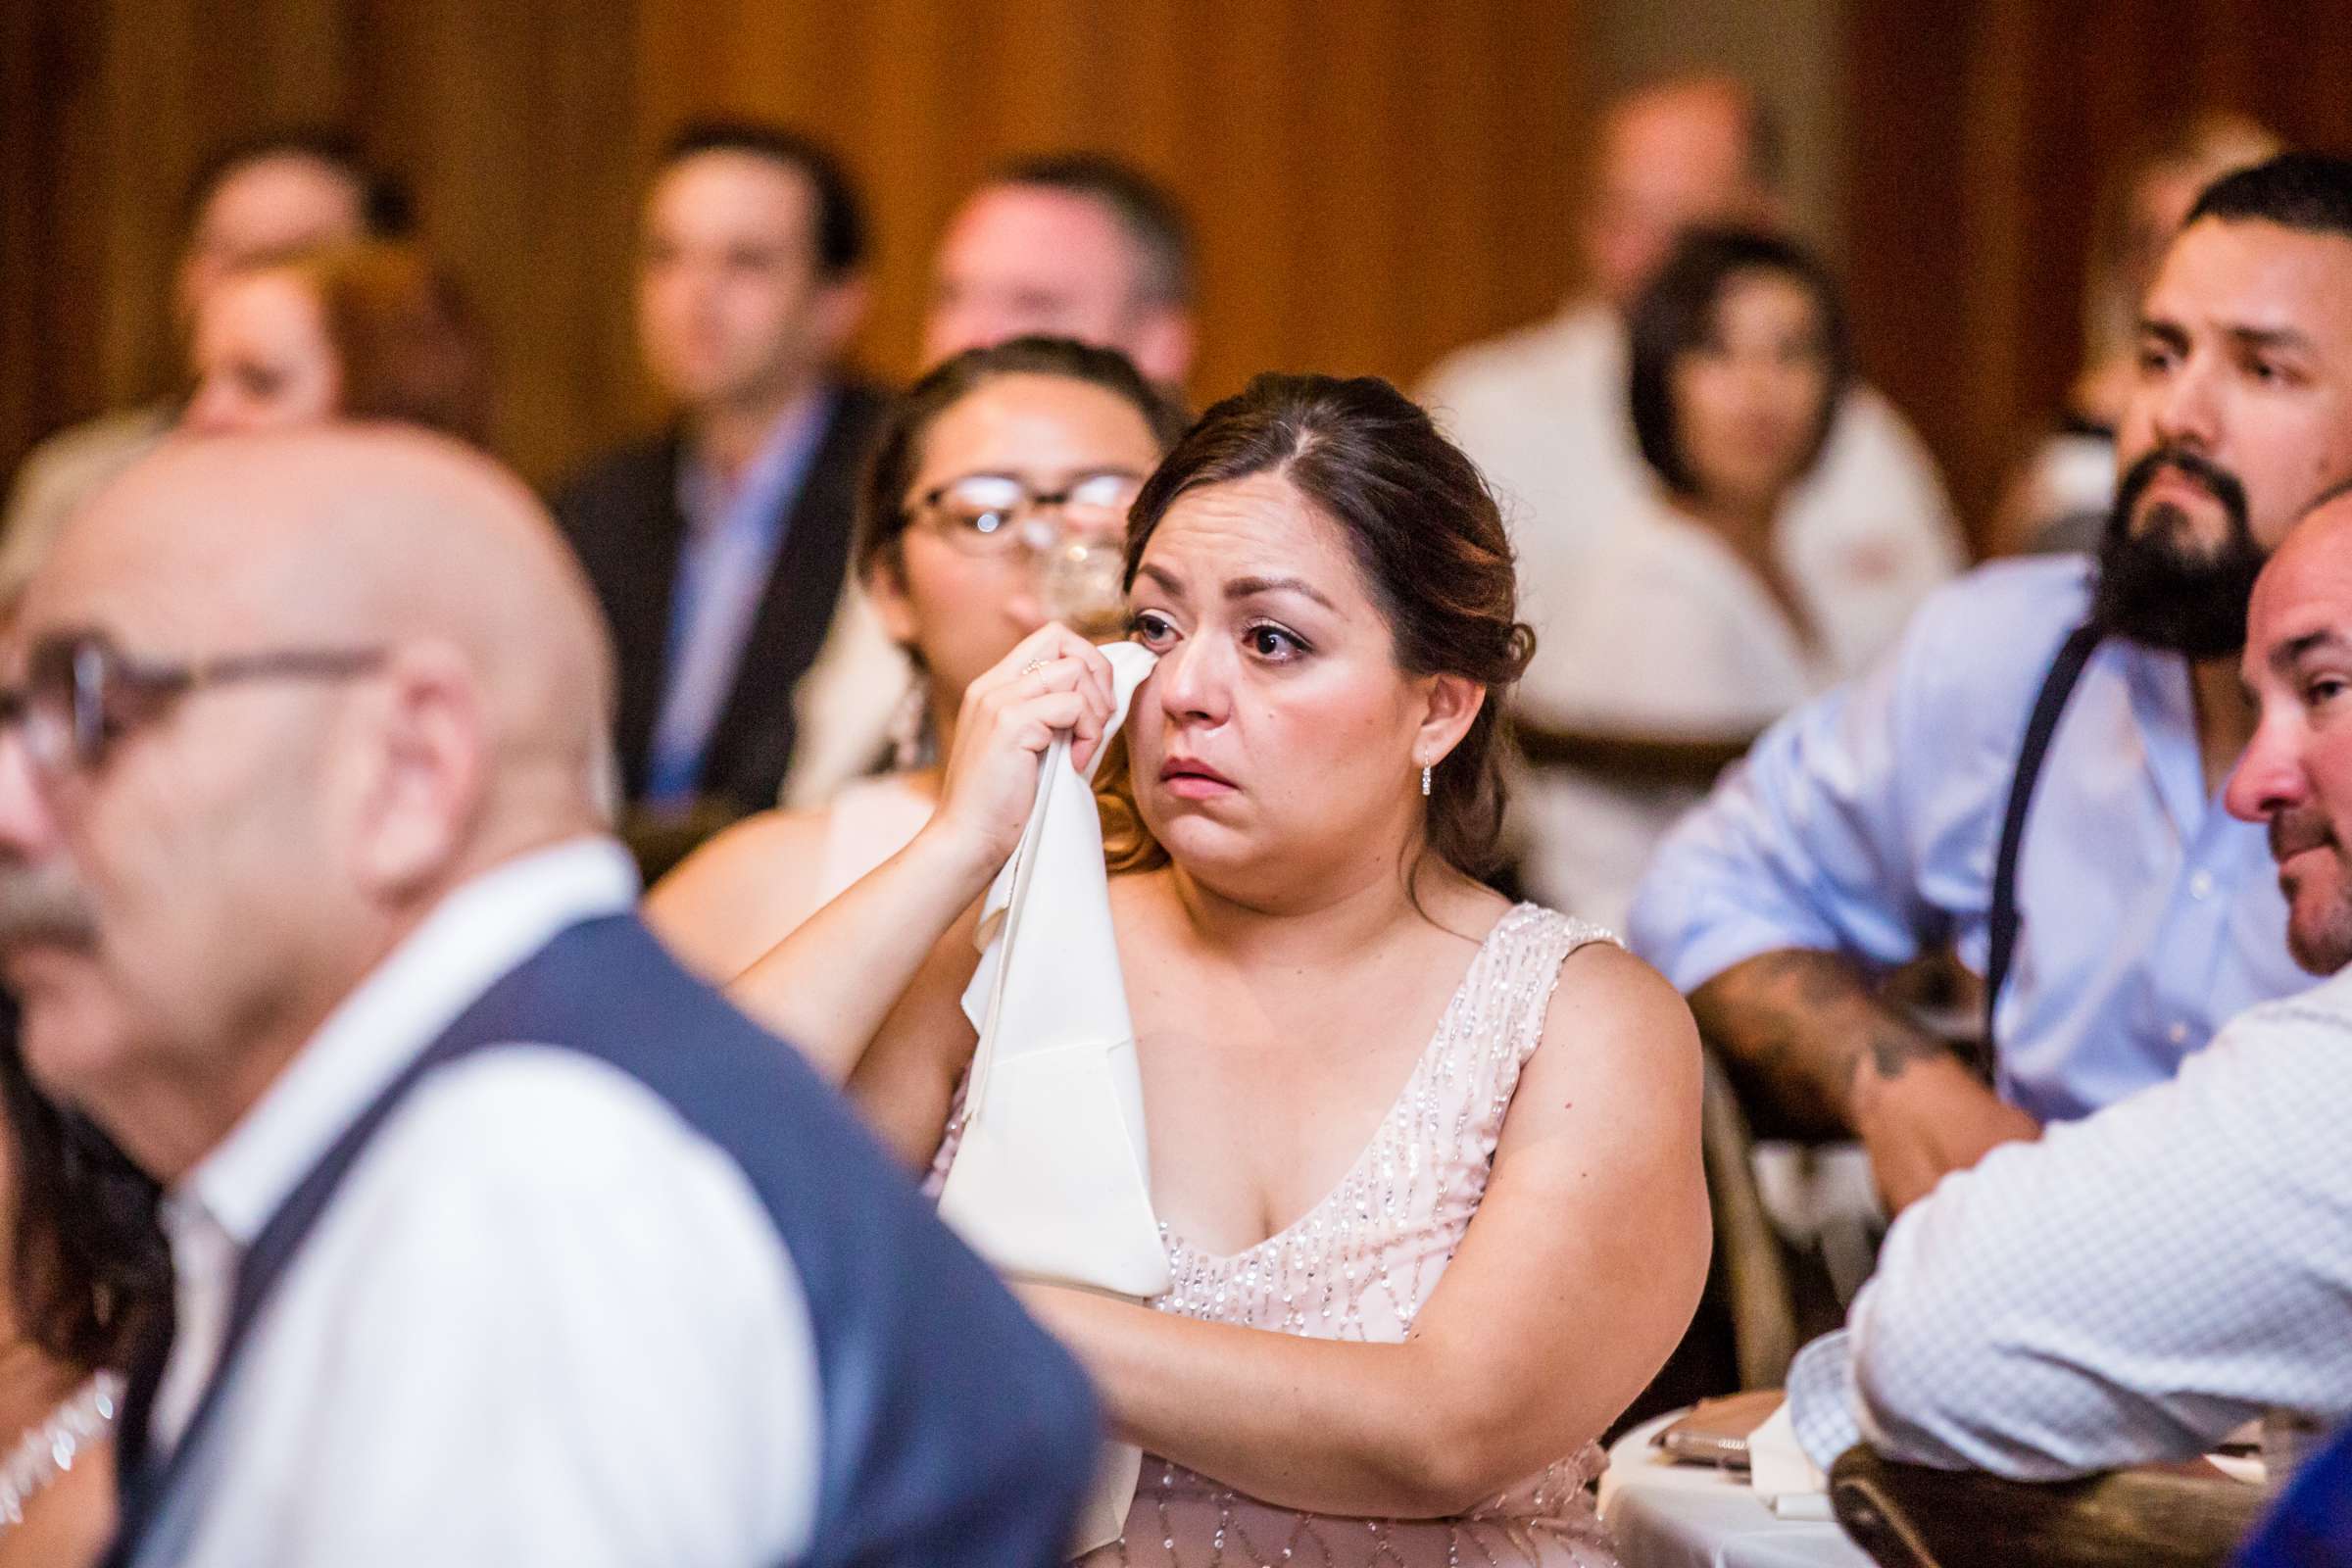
{"x":1426,"y":1163}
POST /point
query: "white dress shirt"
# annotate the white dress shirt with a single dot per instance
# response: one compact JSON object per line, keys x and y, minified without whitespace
{"x":846,"y":706}
{"x":1544,"y":415}
{"x":542,"y":1321}
{"x":2130,"y":1288}
{"x":62,"y":472}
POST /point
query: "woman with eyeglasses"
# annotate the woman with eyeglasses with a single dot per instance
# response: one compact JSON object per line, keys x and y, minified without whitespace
{"x":995,"y":501}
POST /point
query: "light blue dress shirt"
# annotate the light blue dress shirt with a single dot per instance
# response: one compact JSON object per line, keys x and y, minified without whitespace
{"x":733,"y":535}
{"x":1866,"y":821}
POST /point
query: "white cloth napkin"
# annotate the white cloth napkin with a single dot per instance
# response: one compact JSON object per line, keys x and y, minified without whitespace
{"x":1789,"y":1483}
{"x":1051,"y":1181}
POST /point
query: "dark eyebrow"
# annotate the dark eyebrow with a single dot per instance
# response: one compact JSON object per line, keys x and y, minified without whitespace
{"x":2269,"y":337}
{"x":2287,"y":655}
{"x":1162,"y":577}
{"x":1249,"y":587}
{"x":2171,"y":333}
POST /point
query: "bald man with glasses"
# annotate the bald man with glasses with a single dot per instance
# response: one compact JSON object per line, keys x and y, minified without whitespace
{"x":496,"y":1237}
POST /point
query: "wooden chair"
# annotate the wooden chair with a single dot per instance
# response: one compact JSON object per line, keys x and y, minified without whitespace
{"x":1759,"y":1288}
{"x":2153,"y":1516}
{"x":1755,"y":1271}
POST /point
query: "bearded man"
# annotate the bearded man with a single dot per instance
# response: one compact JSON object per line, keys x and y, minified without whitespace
{"x":2035,"y":773}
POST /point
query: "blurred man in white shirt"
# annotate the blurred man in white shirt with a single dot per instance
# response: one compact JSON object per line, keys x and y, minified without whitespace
{"x":496,"y":1238}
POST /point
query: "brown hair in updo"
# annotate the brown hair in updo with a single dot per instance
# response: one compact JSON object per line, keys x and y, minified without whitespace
{"x":1424,"y":532}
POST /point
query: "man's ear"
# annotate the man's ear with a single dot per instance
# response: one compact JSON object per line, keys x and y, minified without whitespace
{"x":841,"y":309}
{"x":1162,"y":346}
{"x":426,"y":772}
{"x":1454,"y":702}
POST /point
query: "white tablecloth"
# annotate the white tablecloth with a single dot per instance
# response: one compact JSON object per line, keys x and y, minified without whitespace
{"x":1666,"y":1515}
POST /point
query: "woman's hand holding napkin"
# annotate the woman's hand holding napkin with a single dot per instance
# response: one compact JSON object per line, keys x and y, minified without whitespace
{"x":1051,"y":1180}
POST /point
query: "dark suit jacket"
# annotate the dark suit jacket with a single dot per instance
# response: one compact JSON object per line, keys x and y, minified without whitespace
{"x":622,"y":514}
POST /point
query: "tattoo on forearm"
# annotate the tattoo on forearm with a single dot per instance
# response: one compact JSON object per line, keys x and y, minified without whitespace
{"x":1803,"y":1024}
{"x":1892,"y":1051}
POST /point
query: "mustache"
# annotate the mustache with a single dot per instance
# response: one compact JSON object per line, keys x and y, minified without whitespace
{"x":2300,"y":828}
{"x":44,"y":906}
{"x":2208,"y":475}
{"x":2160,"y":587}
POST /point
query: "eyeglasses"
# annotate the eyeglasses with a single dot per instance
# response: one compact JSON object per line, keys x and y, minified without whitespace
{"x":81,"y":694}
{"x":987,"y":513}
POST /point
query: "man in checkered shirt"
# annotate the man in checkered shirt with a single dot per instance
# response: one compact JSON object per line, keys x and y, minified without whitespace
{"x":2135,"y":1284}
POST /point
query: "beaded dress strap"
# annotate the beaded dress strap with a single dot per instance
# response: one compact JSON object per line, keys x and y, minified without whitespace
{"x":48,"y":1451}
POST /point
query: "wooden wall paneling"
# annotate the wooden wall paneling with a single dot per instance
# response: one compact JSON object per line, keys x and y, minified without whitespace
{"x":1296,"y":135}
{"x":1908,"y":268}
{"x":1036,"y":62}
{"x":503,"y":117}
{"x":925,"y":123}
{"x":1998,"y":135}
{"x":51,"y":218}
{"x":1237,"y":173}
{"x":2011,"y":114}
{"x":180,"y":80}
{"x":2302,"y":52}
{"x":1373,"y":185}
{"x":1445,"y":194}
{"x":1539,"y":97}
{"x":1138,"y":104}
{"x":1138,"y":92}
{"x":1489,"y":119}
{"x":1352,"y":237}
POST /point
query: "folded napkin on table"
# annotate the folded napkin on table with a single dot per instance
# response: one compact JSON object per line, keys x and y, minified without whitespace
{"x":1789,"y":1483}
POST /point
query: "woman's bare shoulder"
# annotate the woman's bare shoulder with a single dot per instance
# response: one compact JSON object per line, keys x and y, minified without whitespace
{"x":742,"y":893}
{"x":1618,"y":1009}
{"x":1618,"y":1064}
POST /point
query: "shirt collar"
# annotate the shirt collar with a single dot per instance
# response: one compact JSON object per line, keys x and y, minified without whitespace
{"x":474,"y":936}
{"x":707,"y":498}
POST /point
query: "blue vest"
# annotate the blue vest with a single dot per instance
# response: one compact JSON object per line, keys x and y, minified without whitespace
{"x":2311,"y":1524}
{"x":955,"y":1429}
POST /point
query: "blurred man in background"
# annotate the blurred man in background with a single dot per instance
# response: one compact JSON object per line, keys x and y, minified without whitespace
{"x":718,"y":547}
{"x":254,"y":201}
{"x":1073,"y":245}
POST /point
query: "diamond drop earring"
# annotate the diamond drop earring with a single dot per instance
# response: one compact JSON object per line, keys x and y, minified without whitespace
{"x":1424,"y":780}
{"x":908,"y":726}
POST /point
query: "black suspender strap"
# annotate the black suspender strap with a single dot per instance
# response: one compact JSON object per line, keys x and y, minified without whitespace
{"x":2065,"y":670}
